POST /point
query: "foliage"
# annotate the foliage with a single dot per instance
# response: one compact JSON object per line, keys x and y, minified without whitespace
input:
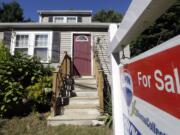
{"x":11,"y":12}
{"x":164,"y":28}
{"x":33,"y":125}
{"x":16,"y":74}
{"x":4,"y":53}
{"x":107,"y":16}
{"x":40,"y":93}
{"x":108,"y":106}
{"x":109,"y":121}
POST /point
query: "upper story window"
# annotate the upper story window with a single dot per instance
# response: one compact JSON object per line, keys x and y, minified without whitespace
{"x":71,"y":19}
{"x":65,"y":19}
{"x":59,"y":19}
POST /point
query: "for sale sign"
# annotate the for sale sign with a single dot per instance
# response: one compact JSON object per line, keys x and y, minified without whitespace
{"x":151,"y":94}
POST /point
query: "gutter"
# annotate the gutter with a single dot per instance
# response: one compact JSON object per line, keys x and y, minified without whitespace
{"x":53,"y":25}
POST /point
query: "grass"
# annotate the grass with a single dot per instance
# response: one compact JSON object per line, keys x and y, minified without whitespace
{"x":32,"y":125}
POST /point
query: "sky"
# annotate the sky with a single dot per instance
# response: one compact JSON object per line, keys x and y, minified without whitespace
{"x":30,"y":7}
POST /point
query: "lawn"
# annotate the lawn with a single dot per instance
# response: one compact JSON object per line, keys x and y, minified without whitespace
{"x":33,"y":125}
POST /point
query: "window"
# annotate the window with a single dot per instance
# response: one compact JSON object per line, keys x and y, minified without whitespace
{"x":41,"y":47}
{"x":71,"y":19}
{"x":65,"y":19}
{"x":59,"y":19}
{"x":33,"y":43}
{"x":41,"y":40}
{"x":41,"y":53}
{"x":82,"y":38}
{"x":22,"y":43}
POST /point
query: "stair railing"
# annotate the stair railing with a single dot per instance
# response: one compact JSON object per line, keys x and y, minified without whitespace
{"x":59,"y":81}
{"x":103,"y":86}
{"x":100,"y":82}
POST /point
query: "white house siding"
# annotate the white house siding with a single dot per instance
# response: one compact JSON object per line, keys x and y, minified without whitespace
{"x":102,"y":48}
{"x":1,"y":36}
{"x":86,"y":19}
{"x":45,"y":19}
{"x":65,"y":44}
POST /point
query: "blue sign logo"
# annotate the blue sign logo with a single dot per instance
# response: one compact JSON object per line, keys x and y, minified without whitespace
{"x":127,"y":87}
{"x":129,"y":127}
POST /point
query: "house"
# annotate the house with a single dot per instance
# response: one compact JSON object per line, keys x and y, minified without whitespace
{"x":70,"y":31}
{"x":56,"y":32}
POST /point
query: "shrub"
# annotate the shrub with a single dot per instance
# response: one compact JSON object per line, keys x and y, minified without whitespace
{"x":40,"y":93}
{"x":4,"y":53}
{"x":17,"y":73}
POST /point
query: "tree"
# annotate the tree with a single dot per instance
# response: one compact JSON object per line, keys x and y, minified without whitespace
{"x":107,"y":16}
{"x":164,"y":28}
{"x":11,"y":12}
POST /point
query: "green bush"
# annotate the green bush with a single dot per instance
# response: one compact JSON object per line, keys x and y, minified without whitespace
{"x":4,"y":53}
{"x":40,"y":93}
{"x":17,"y":74}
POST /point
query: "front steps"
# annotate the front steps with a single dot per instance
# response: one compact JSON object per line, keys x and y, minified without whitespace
{"x":82,"y":108}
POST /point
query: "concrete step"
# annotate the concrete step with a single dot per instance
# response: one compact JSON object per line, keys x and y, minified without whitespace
{"x":69,"y":122}
{"x":82,"y":111}
{"x":82,"y":106}
{"x":85,"y":86}
{"x":86,"y":94}
{"x":77,"y":98}
{"x":84,"y":77}
{"x":77,"y":88}
{"x":82,"y":101}
{"x":85,"y":81}
{"x":76,"y":119}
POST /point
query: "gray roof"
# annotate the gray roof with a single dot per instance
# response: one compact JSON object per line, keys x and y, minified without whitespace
{"x":62,"y":12}
{"x":53,"y":25}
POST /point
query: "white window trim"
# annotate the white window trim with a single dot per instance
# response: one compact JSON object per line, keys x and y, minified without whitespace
{"x":31,"y":42}
{"x":79,"y":40}
{"x":65,"y":19}
{"x":72,"y":16}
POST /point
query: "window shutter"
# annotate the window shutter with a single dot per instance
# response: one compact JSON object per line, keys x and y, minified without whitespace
{"x":79,"y":19}
{"x":50,"y":18}
{"x":7,"y":38}
{"x":56,"y":47}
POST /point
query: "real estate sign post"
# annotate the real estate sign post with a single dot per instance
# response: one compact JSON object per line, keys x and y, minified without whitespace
{"x":146,"y":88}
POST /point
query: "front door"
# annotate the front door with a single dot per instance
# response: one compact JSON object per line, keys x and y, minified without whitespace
{"x":82,"y":54}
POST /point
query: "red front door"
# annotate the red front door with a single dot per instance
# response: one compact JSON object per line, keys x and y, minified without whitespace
{"x":82,"y":54}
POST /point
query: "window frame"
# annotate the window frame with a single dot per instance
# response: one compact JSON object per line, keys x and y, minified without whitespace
{"x":31,"y":42}
{"x":79,"y":40}
{"x":65,"y":19}
{"x":76,"y":18}
{"x":22,"y":47}
{"x":54,"y":19}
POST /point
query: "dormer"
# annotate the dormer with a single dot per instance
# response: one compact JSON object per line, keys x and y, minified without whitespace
{"x":65,"y":16}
